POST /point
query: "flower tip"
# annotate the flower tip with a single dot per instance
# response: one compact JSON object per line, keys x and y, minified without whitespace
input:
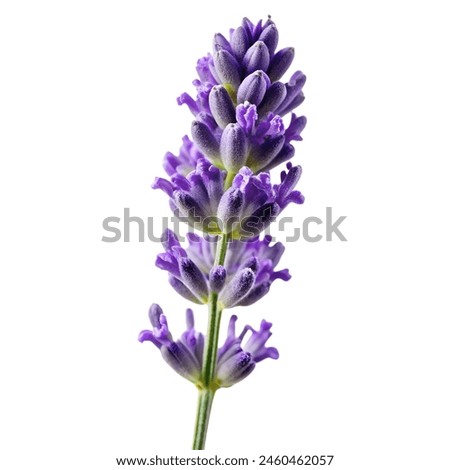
{"x":145,"y":335}
{"x":217,"y":278}
{"x":273,"y":353}
{"x":189,"y":318}
{"x":155,"y":313}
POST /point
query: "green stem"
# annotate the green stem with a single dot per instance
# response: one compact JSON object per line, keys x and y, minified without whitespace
{"x":229,"y":179}
{"x":205,"y":400}
{"x":208,"y":387}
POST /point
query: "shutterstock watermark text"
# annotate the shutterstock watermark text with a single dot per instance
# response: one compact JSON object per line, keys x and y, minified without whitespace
{"x":312,"y":229}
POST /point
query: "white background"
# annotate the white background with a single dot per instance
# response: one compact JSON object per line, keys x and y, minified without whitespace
{"x":87,"y":112}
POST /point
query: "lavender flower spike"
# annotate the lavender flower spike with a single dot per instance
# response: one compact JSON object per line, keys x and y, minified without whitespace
{"x":220,"y":184}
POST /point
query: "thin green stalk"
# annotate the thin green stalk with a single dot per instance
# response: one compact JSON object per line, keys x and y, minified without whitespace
{"x":208,"y":388}
{"x":205,"y":400}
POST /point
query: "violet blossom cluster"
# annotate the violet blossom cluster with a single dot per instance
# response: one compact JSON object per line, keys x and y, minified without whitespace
{"x":220,"y":184}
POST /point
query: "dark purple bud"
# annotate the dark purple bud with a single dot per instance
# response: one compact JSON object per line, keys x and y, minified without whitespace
{"x":236,"y":368}
{"x":297,"y":100}
{"x":239,"y":42}
{"x":227,"y":68}
{"x":181,"y":289}
{"x":220,"y":42}
{"x":257,"y":30}
{"x":286,"y":153}
{"x":178,"y":356}
{"x":229,"y":209}
{"x":257,"y":58}
{"x":269,"y":36}
{"x":217,"y":278}
{"x":260,"y":219}
{"x":237,"y":288}
{"x":233,"y":148}
{"x":221,"y":105}
{"x":252,"y":263}
{"x":280,"y":62}
{"x":205,"y":140}
{"x":274,"y":96}
{"x":258,"y":292}
{"x":248,"y":26}
{"x":188,"y":206}
{"x":193,"y":279}
{"x":253,"y":88}
{"x":266,"y":152}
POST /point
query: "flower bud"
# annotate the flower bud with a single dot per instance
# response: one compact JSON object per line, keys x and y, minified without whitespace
{"x":269,"y":36}
{"x":181,"y":360}
{"x":220,"y":42}
{"x":280,"y":62}
{"x":266,"y":152}
{"x":253,"y":225}
{"x":253,"y":88}
{"x":257,"y":58}
{"x":227,"y":69}
{"x":221,"y":106}
{"x":235,"y":368}
{"x":205,"y":140}
{"x":193,"y":279}
{"x":233,"y":147}
{"x":252,"y":263}
{"x":181,"y":289}
{"x":254,"y":295}
{"x":188,"y":207}
{"x":274,"y":96}
{"x":285,"y":154}
{"x":239,"y":42}
{"x":237,"y":288}
{"x":229,"y":209}
{"x":217,"y":278}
